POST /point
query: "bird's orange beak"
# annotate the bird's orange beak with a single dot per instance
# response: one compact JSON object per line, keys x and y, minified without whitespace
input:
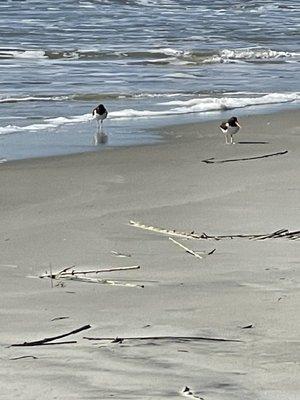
{"x":238,"y":125}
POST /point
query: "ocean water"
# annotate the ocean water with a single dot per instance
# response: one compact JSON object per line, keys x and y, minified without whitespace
{"x":151,"y":62}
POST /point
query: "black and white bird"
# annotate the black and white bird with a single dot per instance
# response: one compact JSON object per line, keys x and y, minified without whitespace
{"x":230,"y":128}
{"x":99,"y":113}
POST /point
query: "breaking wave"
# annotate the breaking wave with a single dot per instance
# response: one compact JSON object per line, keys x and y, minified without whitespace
{"x":31,"y":99}
{"x":89,"y":97}
{"x":250,"y":55}
{"x":156,"y":55}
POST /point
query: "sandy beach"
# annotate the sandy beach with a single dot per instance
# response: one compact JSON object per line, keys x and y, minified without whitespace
{"x":75,"y":210}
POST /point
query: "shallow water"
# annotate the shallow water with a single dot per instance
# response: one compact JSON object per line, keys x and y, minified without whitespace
{"x":150,"y":62}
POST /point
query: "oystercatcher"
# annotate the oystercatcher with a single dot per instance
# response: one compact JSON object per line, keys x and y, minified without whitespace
{"x":99,"y":113}
{"x":230,"y":128}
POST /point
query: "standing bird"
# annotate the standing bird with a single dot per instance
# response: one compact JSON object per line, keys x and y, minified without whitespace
{"x":100,"y":113}
{"x":230,"y":128}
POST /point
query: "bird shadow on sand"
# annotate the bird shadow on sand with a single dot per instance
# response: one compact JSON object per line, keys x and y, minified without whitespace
{"x":253,"y":142}
{"x":100,"y":138}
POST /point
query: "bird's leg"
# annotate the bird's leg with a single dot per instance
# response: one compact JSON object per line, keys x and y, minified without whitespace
{"x":226,"y":138}
{"x":231,"y":139}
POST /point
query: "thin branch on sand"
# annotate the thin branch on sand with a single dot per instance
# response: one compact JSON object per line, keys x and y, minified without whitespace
{"x":189,"y":251}
{"x":51,"y":275}
{"x":66,"y":272}
{"x":169,"y":232}
{"x":118,"y":254}
{"x":81,"y":276}
{"x":50,"y":339}
{"x":100,"y":281}
{"x":58,"y":318}
{"x":281,"y":233}
{"x":21,"y":357}
{"x":162,"y":338}
{"x":214,"y":161}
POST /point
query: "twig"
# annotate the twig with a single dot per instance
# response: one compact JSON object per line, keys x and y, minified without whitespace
{"x":100,"y":281}
{"x":50,"y":339}
{"x":99,"y":271}
{"x":51,"y":275}
{"x":65,"y":273}
{"x":58,"y":318}
{"x":21,"y":357}
{"x":54,"y":343}
{"x":169,"y":232}
{"x":247,"y":326}
{"x":185,"y":248}
{"x":282,"y":233}
{"x":214,"y":161}
{"x":117,"y":254}
{"x":166,"y":338}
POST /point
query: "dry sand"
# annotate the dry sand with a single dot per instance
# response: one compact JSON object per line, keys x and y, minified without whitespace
{"x":75,"y":210}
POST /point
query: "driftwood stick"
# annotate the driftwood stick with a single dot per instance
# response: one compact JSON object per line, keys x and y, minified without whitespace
{"x":51,"y":275}
{"x":66,"y":269}
{"x":166,"y":338}
{"x":169,"y":232}
{"x":282,"y":233}
{"x":54,"y":343}
{"x":65,"y":273}
{"x":118,"y":254}
{"x":44,"y":344}
{"x":21,"y":357}
{"x":186,"y":249}
{"x":99,"y":271}
{"x":278,"y":233}
{"x":100,"y":281}
{"x":50,"y":339}
{"x":58,"y":318}
{"x":214,"y":161}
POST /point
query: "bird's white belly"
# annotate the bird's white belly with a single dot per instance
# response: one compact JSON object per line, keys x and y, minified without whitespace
{"x":233,"y":130}
{"x":100,"y":117}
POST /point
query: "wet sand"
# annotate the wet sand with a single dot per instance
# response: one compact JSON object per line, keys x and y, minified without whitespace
{"x":75,"y":210}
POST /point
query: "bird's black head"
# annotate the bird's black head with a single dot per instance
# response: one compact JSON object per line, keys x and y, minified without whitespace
{"x":101,"y":109}
{"x":232,"y":121}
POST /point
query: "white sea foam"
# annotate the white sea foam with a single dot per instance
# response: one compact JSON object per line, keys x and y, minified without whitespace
{"x":249,"y":54}
{"x":170,"y":52}
{"x":29,"y":54}
{"x":223,"y":103}
{"x":177,"y":107}
{"x":32,"y":98}
{"x":51,"y":123}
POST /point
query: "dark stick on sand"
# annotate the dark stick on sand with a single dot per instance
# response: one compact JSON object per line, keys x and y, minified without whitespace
{"x":281,"y":233}
{"x":50,"y":339}
{"x":214,"y":161}
{"x":21,"y":357}
{"x":167,"y":338}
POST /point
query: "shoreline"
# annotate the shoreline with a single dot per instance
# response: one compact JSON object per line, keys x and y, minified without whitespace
{"x":75,"y":210}
{"x":156,"y":133}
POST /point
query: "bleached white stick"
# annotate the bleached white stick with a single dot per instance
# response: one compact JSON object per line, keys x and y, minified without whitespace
{"x":100,"y":281}
{"x":186,"y":248}
{"x":64,"y":273}
{"x":164,"y":231}
{"x":99,"y":271}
